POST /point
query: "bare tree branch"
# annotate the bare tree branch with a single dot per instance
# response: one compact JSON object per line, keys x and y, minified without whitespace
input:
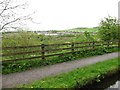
{"x":1,"y":2}
{"x":9,"y":15}
{"x":9,"y":23}
{"x":6,"y":5}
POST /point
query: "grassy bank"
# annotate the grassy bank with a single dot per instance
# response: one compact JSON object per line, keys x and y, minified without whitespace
{"x":78,"y":77}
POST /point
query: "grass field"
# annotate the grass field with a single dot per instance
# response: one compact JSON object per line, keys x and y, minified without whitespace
{"x":77,"y":77}
{"x":83,"y":30}
{"x":29,"y":38}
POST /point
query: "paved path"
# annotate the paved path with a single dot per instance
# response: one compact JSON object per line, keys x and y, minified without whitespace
{"x":11,"y":80}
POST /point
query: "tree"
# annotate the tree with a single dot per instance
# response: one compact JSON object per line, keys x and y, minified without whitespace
{"x":9,"y":14}
{"x":109,"y":29}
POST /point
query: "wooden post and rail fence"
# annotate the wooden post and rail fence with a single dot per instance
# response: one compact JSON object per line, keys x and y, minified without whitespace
{"x":42,"y":52}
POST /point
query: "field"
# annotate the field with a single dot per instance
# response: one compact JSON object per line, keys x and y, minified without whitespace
{"x":83,"y":30}
{"x":29,"y":38}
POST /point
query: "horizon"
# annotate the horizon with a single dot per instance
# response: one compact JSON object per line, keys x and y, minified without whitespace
{"x":47,"y":30}
{"x":67,"y":14}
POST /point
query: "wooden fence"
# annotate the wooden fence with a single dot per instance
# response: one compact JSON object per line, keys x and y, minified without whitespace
{"x":43,"y":51}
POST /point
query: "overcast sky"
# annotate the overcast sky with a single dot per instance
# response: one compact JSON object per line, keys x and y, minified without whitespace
{"x":65,"y":14}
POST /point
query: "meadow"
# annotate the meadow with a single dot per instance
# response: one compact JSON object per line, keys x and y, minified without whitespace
{"x":95,"y":30}
{"x":29,"y":38}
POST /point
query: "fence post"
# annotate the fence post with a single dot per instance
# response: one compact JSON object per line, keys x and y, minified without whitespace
{"x":93,"y":44}
{"x":72,"y":47}
{"x":43,"y":51}
{"x":118,"y":42}
{"x":107,"y":43}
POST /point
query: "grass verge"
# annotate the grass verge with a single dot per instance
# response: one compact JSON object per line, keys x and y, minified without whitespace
{"x":78,"y":77}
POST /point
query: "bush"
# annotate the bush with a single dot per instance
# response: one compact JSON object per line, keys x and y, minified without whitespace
{"x":109,"y":29}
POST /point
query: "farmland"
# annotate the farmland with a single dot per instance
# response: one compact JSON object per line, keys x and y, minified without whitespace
{"x":95,"y":29}
{"x":35,"y":39}
{"x":69,"y":31}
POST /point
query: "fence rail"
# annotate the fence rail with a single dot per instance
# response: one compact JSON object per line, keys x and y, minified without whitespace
{"x":43,"y":51}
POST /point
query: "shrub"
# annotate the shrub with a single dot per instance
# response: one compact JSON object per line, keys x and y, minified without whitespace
{"x":109,"y":29}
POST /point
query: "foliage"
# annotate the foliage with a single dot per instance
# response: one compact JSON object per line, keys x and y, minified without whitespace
{"x":88,"y":36}
{"x":78,"y":77}
{"x":20,"y":38}
{"x":108,"y":29}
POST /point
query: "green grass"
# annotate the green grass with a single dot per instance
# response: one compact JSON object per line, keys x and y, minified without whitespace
{"x":28,"y":38}
{"x":77,"y":77}
{"x":83,"y":30}
{"x":94,"y":29}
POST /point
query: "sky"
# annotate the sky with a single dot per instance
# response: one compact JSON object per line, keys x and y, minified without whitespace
{"x":66,"y":14}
